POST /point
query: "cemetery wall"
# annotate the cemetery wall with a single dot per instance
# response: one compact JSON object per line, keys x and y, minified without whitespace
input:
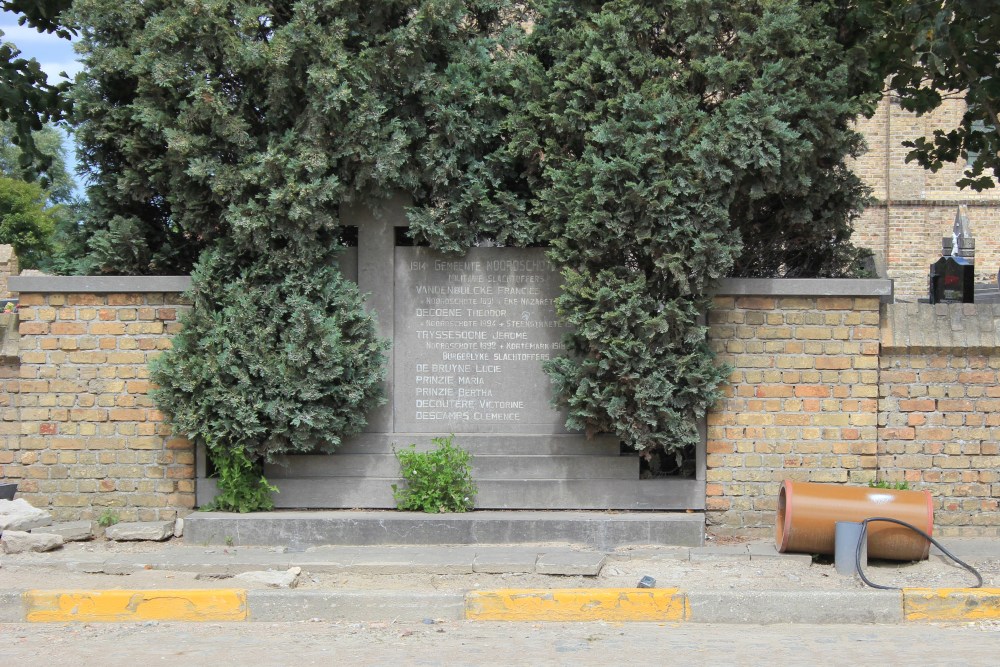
{"x":836,"y":388}
{"x":88,"y":437}
{"x":802,"y":403}
{"x":939,"y":410}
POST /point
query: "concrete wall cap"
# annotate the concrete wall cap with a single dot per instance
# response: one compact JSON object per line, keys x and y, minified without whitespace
{"x":804,"y":287}
{"x":99,"y":284}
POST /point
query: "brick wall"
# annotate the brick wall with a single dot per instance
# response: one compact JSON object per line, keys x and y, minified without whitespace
{"x":89,"y":436}
{"x":828,"y":389}
{"x":914,"y":208}
{"x":939,"y":416}
{"x":802,"y":404}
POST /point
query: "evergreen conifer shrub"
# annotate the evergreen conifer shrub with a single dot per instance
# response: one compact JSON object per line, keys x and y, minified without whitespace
{"x":269,"y":362}
{"x":666,"y":144}
{"x":654,"y":146}
{"x":232,"y":133}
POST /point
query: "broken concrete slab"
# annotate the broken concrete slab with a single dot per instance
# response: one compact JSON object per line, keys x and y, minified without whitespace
{"x":19,"y":541}
{"x":655,"y":554}
{"x":388,"y":560}
{"x":505,"y":561}
{"x":739,"y":552}
{"x":272,"y":578}
{"x":151,"y":531}
{"x":767,"y":550}
{"x":71,"y":531}
{"x":20,"y":515}
{"x":571,"y":563}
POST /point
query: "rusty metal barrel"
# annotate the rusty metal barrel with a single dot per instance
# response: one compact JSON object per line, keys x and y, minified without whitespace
{"x":808,"y":514}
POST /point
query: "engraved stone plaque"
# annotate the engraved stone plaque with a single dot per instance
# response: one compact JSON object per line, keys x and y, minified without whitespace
{"x":471,"y":335}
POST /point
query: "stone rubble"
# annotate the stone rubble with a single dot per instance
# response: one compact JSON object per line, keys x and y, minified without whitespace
{"x":155,"y":531}
{"x":272,"y":578}
{"x":20,"y":515}
{"x":19,"y":541}
{"x":71,"y":531}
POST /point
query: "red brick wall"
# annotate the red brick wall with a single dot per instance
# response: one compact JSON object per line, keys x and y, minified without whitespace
{"x":90,"y":437}
{"x":802,"y":404}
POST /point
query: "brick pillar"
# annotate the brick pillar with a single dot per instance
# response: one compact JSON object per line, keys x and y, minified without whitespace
{"x":802,"y":403}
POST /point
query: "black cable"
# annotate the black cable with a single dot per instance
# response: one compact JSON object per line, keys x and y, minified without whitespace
{"x":864,"y":538}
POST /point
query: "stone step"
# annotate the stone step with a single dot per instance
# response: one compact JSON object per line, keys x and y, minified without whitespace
{"x":483,"y":466}
{"x":597,"y":530}
{"x":487,"y":443}
{"x":548,"y":494}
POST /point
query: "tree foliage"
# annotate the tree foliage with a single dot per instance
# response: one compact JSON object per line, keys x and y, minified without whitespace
{"x":225,"y":116}
{"x":64,"y":247}
{"x":663,"y":145}
{"x":49,"y":142}
{"x":28,"y":101}
{"x":931,"y":51}
{"x":652,"y":146}
{"x":25,"y":222}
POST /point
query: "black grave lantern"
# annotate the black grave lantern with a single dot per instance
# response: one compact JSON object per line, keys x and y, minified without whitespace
{"x":952,"y":280}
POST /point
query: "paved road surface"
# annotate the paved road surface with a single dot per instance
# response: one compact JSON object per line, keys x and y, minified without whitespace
{"x":470,"y":643}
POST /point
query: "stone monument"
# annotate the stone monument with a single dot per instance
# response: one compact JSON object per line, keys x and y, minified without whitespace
{"x":470,"y":335}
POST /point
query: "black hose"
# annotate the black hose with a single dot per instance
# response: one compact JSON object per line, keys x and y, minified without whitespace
{"x":864,"y":539}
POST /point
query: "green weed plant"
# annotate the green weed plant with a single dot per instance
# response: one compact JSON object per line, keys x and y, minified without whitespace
{"x":896,"y":486}
{"x":108,"y":518}
{"x":439,"y":480}
{"x":241,"y":485}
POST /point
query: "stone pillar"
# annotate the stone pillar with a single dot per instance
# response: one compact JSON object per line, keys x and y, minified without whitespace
{"x":376,"y":276}
{"x":8,"y":268}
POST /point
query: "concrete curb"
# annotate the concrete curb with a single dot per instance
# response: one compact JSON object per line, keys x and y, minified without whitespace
{"x":219,"y":604}
{"x":577,"y":604}
{"x":820,"y":607}
{"x":587,"y":604}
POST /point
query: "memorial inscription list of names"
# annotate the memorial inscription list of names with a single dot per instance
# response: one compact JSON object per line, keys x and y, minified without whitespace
{"x":471,"y":336}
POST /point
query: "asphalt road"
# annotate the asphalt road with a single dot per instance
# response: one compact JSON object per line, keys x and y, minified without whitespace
{"x":478,"y":643}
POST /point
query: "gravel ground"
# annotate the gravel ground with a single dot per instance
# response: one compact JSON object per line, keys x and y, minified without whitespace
{"x":483,"y":643}
{"x":623,"y":569}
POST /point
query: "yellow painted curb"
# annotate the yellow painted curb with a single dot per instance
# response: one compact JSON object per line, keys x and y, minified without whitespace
{"x":577,"y":604}
{"x":951,"y":604}
{"x":136,"y":605}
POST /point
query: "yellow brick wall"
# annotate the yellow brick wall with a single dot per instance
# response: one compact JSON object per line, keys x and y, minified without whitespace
{"x":9,"y":422}
{"x":9,"y":266}
{"x":939,"y":430}
{"x":89,"y":436}
{"x":939,"y":410}
{"x":802,"y":404}
{"x":823,"y":389}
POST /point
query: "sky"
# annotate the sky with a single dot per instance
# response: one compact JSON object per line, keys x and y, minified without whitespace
{"x":55,"y":55}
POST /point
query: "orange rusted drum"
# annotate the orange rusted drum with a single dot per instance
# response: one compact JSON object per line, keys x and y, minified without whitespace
{"x":808,"y":514}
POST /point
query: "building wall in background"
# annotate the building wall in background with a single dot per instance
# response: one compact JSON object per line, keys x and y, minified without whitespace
{"x":915,"y":208}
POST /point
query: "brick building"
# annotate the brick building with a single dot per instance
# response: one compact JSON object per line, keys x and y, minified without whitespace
{"x":914,"y":208}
